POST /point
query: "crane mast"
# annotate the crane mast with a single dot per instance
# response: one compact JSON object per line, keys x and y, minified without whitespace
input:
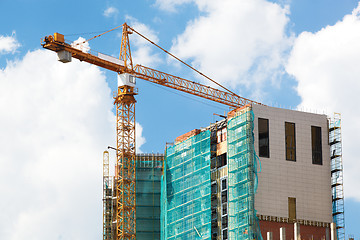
{"x":125,"y":177}
{"x":125,"y":174}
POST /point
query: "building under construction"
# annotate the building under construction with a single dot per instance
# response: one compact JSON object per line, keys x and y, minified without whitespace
{"x":262,"y":171}
{"x":149,"y":169}
{"x":259,"y":171}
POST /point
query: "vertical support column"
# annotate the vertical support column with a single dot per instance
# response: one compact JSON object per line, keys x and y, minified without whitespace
{"x":327,"y":234}
{"x":297,"y":231}
{"x":125,"y":175}
{"x":333,"y":231}
{"x":282,"y":233}
{"x":269,"y":236}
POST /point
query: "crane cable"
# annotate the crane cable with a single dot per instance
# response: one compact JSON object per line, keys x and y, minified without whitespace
{"x":183,"y":62}
{"x":98,"y":35}
{"x":125,"y":25}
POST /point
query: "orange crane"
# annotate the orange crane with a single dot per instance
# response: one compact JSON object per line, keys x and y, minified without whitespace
{"x":125,"y":177}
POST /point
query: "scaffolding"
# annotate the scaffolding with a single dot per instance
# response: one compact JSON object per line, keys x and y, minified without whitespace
{"x":148,"y":177}
{"x":186,"y":202}
{"x":335,"y":142}
{"x":242,"y":175}
{"x":219,"y":192}
{"x":107,"y":199}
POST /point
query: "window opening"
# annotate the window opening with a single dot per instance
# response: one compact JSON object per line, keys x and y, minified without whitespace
{"x":224,"y":222}
{"x":292,"y":208}
{"x":290,"y":141}
{"x":213,"y":214}
{"x":221,"y":135}
{"x":225,"y":235}
{"x":263,"y":128}
{"x":316,"y":145}
{"x":224,"y":196}
{"x":224,"y":209}
{"x":214,"y":236}
{"x":223,"y":184}
{"x":221,"y":160}
{"x":213,"y":187}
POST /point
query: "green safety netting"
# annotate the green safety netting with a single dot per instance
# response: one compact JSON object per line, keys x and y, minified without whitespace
{"x":185,"y":200}
{"x":242,"y":174}
{"x":185,"y":184}
{"x":148,"y":190}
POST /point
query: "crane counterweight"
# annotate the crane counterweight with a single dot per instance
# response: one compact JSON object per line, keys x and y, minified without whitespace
{"x":64,"y":56}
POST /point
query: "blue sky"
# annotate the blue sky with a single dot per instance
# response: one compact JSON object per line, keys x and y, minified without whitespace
{"x":57,"y":118}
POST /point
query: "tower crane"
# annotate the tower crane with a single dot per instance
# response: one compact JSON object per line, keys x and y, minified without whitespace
{"x":125,"y":177}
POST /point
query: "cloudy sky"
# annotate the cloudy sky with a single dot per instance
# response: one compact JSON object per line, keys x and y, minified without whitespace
{"x":56,"y":119}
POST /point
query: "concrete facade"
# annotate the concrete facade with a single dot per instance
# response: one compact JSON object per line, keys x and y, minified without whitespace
{"x":280,"y":179}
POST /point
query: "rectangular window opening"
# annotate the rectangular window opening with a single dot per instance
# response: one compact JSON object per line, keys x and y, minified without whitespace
{"x":224,"y":196}
{"x":290,"y":141}
{"x":263,"y":128}
{"x":213,"y":187}
{"x":224,"y":233}
{"x":292,"y":208}
{"x":316,"y":145}
{"x":223,"y":184}
{"x":221,"y":160}
{"x":221,"y":135}
{"x":224,"y":222}
{"x":214,"y":236}
{"x":224,"y":208}
{"x":213,"y":214}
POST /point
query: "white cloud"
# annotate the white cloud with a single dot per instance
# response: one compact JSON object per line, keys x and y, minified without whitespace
{"x":326,"y":66}
{"x":170,"y":5}
{"x":56,"y":120}
{"x":143,"y":51}
{"x":111,"y":12}
{"x":140,"y":139}
{"x":8,"y":44}
{"x":81,"y":44}
{"x":237,"y":43}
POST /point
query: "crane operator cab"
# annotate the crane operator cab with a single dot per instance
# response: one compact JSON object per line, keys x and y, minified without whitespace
{"x":125,"y":79}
